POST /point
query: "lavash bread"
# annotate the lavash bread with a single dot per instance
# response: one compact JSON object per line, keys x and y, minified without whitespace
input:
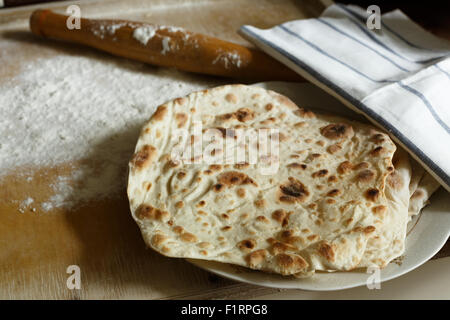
{"x":421,"y":187}
{"x":389,"y":240}
{"x":417,"y":173}
{"x":419,"y":198}
{"x":328,"y":207}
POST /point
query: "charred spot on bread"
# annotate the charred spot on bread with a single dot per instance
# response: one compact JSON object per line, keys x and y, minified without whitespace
{"x":278,"y":247}
{"x":378,"y":138}
{"x":379,"y":210}
{"x":395,"y":180}
{"x":188,"y":237}
{"x":332,"y":149}
{"x":181,"y":119}
{"x":158,"y":239}
{"x":333,"y":193}
{"x":255,"y":258}
{"x":361,"y":165}
{"x":230,"y":97}
{"x":293,"y":191}
{"x":234,"y":178}
{"x":296,"y":165}
{"x":345,"y":167}
{"x":290,"y":263}
{"x":160,"y":113}
{"x":327,"y":251}
{"x":365,"y":176}
{"x":144,"y":157}
{"x":320,"y":173}
{"x":241,"y":165}
{"x":378,"y":151}
{"x":247,"y":244}
{"x":279,"y":215}
{"x":145,"y":211}
{"x":372,"y":194}
{"x":304,"y":113}
{"x":337,"y":131}
{"x":245,"y":114}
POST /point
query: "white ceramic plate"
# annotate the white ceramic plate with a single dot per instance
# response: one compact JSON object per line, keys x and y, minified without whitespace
{"x":427,"y":233}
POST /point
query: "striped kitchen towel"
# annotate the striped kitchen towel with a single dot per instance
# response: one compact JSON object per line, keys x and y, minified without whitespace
{"x":398,"y":76}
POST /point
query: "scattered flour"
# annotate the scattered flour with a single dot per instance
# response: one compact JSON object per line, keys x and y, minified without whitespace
{"x":144,"y":34}
{"x":228,"y":59}
{"x":83,"y":108}
{"x":165,"y":45}
{"x":26,"y":204}
{"x":173,"y":29}
{"x":101,"y":29}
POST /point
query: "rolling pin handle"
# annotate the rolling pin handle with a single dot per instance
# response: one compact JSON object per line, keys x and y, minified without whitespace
{"x":36,"y":21}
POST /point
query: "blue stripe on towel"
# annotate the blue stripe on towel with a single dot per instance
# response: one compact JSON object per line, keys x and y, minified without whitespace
{"x":410,"y":89}
{"x":312,"y":45}
{"x":361,"y":43}
{"x":443,"y":71}
{"x":427,"y":104}
{"x":358,"y":104}
{"x":373,"y":38}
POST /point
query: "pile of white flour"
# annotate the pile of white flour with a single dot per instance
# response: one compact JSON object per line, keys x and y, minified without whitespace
{"x":68,"y":108}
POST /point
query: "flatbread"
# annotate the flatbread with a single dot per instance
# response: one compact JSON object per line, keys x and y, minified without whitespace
{"x":421,"y":187}
{"x":389,"y":240}
{"x":327,"y":207}
{"x":421,"y":194}
{"x":417,"y":173}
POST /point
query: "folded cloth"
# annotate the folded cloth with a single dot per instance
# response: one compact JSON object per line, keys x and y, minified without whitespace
{"x":398,"y":76}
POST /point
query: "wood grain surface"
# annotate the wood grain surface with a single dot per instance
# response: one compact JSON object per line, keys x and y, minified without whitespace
{"x":100,"y":237}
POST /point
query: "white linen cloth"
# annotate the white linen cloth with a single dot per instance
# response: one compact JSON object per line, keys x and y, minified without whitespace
{"x":397,"y":76}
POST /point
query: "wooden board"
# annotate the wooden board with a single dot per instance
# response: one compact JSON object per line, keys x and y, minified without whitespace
{"x":101,"y":238}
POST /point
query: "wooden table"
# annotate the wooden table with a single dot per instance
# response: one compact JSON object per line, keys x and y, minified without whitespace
{"x":101,"y":237}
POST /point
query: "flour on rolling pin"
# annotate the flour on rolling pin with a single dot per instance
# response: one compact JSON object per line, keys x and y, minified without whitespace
{"x":101,"y":29}
{"x":228,"y":58}
{"x":145,"y":33}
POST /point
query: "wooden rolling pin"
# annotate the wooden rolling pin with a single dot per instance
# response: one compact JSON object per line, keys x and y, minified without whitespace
{"x":164,"y":46}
